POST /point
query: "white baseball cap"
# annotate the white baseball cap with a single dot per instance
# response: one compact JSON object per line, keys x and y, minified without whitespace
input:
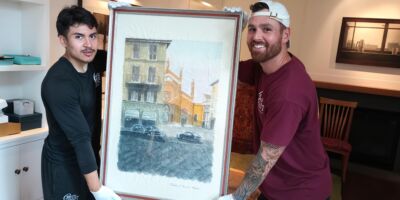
{"x":276,"y":11}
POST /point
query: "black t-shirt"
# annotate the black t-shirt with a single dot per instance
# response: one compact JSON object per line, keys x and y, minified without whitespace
{"x":69,"y":98}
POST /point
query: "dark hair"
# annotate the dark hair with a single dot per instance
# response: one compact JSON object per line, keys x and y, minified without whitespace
{"x":70,"y":16}
{"x":258,"y":6}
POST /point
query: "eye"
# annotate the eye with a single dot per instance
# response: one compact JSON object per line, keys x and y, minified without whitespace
{"x":251,"y":29}
{"x":266,"y":29}
{"x":79,"y":37}
{"x":94,"y":36}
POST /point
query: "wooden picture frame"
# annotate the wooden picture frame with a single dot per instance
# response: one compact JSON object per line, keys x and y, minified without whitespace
{"x":170,"y":92}
{"x":369,"y":41}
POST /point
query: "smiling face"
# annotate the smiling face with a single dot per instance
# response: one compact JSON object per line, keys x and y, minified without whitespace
{"x":266,"y":38}
{"x":80,"y":45}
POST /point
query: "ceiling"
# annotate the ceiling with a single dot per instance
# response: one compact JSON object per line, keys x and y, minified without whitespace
{"x":191,"y":4}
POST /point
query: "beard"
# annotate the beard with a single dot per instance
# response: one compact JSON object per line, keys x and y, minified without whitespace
{"x":271,"y":50}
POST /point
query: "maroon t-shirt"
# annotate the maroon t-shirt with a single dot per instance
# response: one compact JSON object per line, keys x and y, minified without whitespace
{"x":287,"y":115}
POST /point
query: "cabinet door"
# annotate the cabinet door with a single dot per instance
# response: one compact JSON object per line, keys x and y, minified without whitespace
{"x":9,"y":174}
{"x":30,"y":164}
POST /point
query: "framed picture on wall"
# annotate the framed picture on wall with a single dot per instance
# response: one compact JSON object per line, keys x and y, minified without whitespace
{"x":369,"y":41}
{"x":171,"y":82}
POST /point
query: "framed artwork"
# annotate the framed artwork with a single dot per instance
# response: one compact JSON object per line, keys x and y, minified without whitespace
{"x":170,"y":93}
{"x":369,"y":41}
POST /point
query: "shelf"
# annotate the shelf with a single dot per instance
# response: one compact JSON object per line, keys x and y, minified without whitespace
{"x":27,"y":33}
{"x":23,"y":137}
{"x":18,"y":68}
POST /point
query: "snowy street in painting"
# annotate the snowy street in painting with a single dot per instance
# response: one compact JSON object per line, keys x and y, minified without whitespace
{"x":167,"y":154}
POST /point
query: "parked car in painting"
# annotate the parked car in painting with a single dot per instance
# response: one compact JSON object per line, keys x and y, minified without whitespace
{"x":138,"y":129}
{"x":188,"y":136}
{"x":153,"y":133}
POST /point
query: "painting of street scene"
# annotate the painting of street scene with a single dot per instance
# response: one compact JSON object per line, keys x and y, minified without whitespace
{"x":170,"y":90}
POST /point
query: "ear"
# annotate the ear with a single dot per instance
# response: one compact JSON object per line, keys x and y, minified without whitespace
{"x":63,"y":40}
{"x":285,"y":35}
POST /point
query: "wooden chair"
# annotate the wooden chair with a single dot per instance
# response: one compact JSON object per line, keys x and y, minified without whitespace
{"x":336,"y":117}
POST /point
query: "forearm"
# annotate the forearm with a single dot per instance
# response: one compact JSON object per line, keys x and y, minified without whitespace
{"x":253,"y":178}
{"x":92,"y":180}
{"x":85,"y":156}
{"x":265,"y":159}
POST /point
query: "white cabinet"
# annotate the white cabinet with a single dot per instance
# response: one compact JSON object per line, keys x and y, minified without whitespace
{"x":30,"y":165}
{"x":9,"y":180}
{"x":20,"y":164}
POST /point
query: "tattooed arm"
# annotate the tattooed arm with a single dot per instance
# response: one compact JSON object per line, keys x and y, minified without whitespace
{"x":260,"y":167}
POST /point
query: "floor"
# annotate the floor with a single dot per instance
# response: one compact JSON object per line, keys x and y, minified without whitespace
{"x":363,"y":183}
{"x":363,"y":187}
{"x":367,"y":183}
{"x":240,"y":162}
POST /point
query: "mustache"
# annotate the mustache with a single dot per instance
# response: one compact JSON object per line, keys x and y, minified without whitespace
{"x":88,"y":50}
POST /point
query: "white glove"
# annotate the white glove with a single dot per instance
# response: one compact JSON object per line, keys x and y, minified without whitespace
{"x":117,"y":4}
{"x":226,"y":197}
{"x":238,"y":10}
{"x":105,"y":193}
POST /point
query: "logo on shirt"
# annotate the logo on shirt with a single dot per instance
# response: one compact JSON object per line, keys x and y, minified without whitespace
{"x":70,"y":196}
{"x":260,"y":101}
{"x":96,"y":78}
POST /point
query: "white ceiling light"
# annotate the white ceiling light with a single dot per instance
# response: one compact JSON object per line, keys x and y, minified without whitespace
{"x":206,"y":3}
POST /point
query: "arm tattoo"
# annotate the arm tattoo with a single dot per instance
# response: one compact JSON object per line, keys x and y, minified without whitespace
{"x":265,"y":159}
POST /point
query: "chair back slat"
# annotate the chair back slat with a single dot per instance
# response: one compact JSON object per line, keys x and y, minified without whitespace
{"x":336,"y":117}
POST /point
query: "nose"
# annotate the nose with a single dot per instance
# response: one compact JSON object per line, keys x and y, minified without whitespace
{"x":257,"y":35}
{"x":87,"y":42}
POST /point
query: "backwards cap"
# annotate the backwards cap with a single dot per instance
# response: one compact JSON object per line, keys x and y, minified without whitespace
{"x":276,"y":11}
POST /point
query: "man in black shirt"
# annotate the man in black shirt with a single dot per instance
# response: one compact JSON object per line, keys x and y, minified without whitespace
{"x":69,"y":169}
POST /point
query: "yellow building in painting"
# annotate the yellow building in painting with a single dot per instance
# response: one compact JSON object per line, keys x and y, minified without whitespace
{"x":198,"y":115}
{"x":152,"y":93}
{"x":182,"y":108}
{"x":144,"y":67}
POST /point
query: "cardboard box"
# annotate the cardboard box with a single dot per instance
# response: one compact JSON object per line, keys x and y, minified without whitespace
{"x":9,"y":128}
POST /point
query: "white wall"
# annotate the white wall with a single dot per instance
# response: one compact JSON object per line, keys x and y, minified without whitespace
{"x":100,"y":6}
{"x":315,"y":28}
{"x":316,"y":42}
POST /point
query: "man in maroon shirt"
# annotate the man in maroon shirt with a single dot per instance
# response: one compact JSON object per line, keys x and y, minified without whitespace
{"x":291,"y":162}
